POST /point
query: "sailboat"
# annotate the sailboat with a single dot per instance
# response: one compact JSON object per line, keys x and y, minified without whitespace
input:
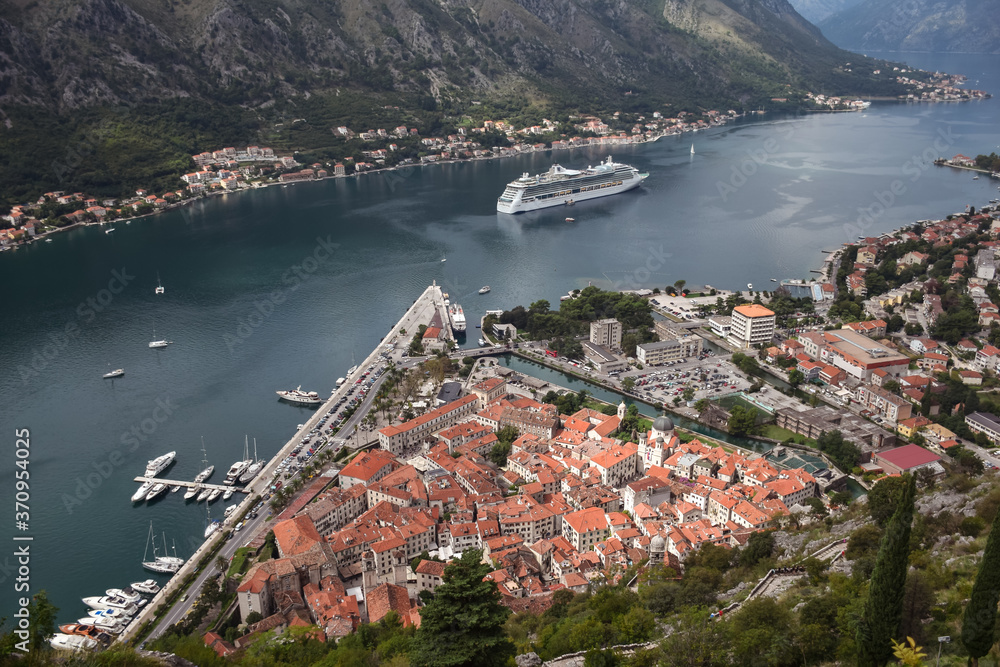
{"x":161,"y":564}
{"x":156,"y":344}
{"x":254,"y":468}
{"x":212,"y":525}
{"x":692,"y":149}
{"x":159,"y":287}
{"x":117,"y":373}
{"x":207,"y":471}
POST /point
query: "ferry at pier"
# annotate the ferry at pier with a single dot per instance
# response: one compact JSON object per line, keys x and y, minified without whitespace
{"x":560,"y":186}
{"x":457,"y":318}
{"x":298,"y":396}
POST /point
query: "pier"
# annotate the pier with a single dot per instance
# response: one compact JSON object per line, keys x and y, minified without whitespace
{"x":204,"y":485}
{"x":424,"y":308}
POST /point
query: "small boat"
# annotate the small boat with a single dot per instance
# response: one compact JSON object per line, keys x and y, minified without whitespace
{"x":175,"y":488}
{"x":570,"y":219}
{"x":117,"y":373}
{"x":149,"y":587}
{"x":205,"y":493}
{"x":774,"y":280}
{"x":211,"y":528}
{"x":444,"y":259}
{"x":109,"y":625}
{"x":214,"y":495}
{"x":975,"y":178}
{"x":340,"y":381}
{"x":126,"y":594}
{"x":108,"y":231}
{"x":158,"y":343}
{"x":749,"y":285}
{"x":692,"y":149}
{"x":85,"y":630}
{"x":48,"y":240}
{"x":482,"y":343}
{"x":484,"y":289}
{"x":230,"y":510}
{"x":103,"y":602}
{"x":570,"y":202}
{"x":228,"y":494}
{"x":109,"y":614}
{"x":159,"y":287}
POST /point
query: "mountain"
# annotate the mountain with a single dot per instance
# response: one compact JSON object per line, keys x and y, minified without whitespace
{"x":968,"y":26}
{"x":815,"y":11}
{"x":133,"y":87}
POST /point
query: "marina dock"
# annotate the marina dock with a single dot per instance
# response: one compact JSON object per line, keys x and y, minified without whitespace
{"x":187,"y":484}
{"x":428,"y":305}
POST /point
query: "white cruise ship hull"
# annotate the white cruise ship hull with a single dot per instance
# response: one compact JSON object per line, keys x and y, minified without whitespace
{"x":520,"y":206}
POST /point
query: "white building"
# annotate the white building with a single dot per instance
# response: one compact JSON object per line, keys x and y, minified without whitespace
{"x":752,"y":325}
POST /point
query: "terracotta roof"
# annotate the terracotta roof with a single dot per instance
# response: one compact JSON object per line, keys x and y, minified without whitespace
{"x":296,"y":536}
{"x":386,"y":598}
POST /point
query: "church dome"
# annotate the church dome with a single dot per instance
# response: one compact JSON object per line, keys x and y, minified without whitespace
{"x":663,"y":424}
{"x":657,"y":544}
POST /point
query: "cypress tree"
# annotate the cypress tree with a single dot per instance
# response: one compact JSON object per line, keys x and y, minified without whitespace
{"x":883,"y":609}
{"x":463,"y":625}
{"x":980,"y":616}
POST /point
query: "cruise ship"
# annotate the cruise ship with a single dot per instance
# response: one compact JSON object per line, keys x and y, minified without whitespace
{"x":560,"y":186}
{"x":457,"y":317}
{"x":159,"y":464}
{"x":298,"y":396}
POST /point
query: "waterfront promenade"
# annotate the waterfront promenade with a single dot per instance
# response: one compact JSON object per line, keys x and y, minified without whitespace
{"x":391,"y":347}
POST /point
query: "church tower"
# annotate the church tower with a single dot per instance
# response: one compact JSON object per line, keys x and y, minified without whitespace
{"x":656,"y":446}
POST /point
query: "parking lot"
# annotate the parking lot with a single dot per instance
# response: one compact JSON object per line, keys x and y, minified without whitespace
{"x":709,"y":376}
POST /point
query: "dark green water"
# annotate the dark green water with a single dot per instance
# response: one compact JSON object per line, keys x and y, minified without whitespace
{"x":251,"y":310}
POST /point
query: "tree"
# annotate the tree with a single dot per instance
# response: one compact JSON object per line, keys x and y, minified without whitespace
{"x":679,"y":285}
{"x":253,"y":617}
{"x":628,"y":384}
{"x":42,"y":626}
{"x":759,"y":546}
{"x":742,"y":421}
{"x":883,"y":609}
{"x":883,"y":498}
{"x":464,"y":623}
{"x":980,"y":617}
{"x":688,"y":394}
{"x":795,"y":377}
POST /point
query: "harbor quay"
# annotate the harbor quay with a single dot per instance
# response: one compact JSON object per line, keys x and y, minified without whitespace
{"x":430,"y":305}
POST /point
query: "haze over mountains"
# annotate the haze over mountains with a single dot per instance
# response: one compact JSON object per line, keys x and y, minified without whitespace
{"x":962,"y":26}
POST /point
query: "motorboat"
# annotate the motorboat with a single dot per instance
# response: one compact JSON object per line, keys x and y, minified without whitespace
{"x":214,"y":495}
{"x":228,"y":494}
{"x":110,"y":626}
{"x":140,"y":495}
{"x":125,"y":593}
{"x":155,"y":491}
{"x":230,"y":510}
{"x":82,"y":629}
{"x":570,"y":219}
{"x":110,"y":614}
{"x":211,"y":528}
{"x":159,"y":464}
{"x":192,"y":492}
{"x":203,"y":496}
{"x":175,"y":488}
{"x":484,"y":289}
{"x":149,"y":587}
{"x":159,"y":287}
{"x":63,"y":642}
{"x":104,"y":601}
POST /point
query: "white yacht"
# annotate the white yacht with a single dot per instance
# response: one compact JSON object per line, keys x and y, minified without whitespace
{"x":159,"y":286}
{"x":62,"y":642}
{"x":230,"y":510}
{"x":159,"y":464}
{"x":457,"y":316}
{"x":155,"y":491}
{"x":204,"y":474}
{"x":143,"y":491}
{"x":127,"y":594}
{"x":240,"y":467}
{"x":149,"y":587}
{"x":110,"y":614}
{"x":203,"y":496}
{"x":192,"y":492}
{"x":298,"y":396}
{"x":175,"y":488}
{"x":253,"y":469}
{"x":117,"y":373}
{"x":228,"y":494}
{"x":214,"y":495}
{"x":211,"y":528}
{"x":484,"y":289}
{"x":105,"y":602}
{"x":103,"y":624}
